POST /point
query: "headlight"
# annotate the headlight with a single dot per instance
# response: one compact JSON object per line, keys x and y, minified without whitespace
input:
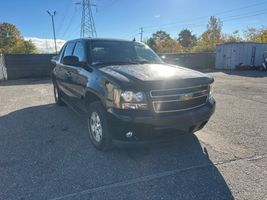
{"x":211,"y":91}
{"x":130,"y":99}
{"x":129,"y":96}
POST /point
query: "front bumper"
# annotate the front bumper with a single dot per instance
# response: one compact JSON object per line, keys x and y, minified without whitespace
{"x":145,"y":125}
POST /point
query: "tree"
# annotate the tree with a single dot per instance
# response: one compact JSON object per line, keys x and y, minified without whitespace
{"x":9,"y":34}
{"x":232,"y":37}
{"x":157,"y":39}
{"x":12,"y":41}
{"x":23,"y":46}
{"x":169,"y":46}
{"x":211,"y":37}
{"x":152,"y":44}
{"x":160,"y":36}
{"x":187,"y":39}
{"x":214,"y":30}
{"x":256,"y":35}
{"x":262,"y":35}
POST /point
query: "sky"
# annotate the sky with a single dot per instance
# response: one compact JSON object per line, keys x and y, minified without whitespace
{"x":124,"y":18}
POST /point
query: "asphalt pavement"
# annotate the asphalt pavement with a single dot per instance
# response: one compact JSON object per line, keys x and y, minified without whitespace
{"x":45,"y":151}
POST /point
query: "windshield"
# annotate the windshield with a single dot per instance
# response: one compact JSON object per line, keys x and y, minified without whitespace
{"x":120,"y":52}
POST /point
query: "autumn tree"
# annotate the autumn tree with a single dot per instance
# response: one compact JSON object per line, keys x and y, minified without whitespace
{"x":214,"y":30}
{"x":187,"y":39}
{"x":23,"y":46}
{"x":162,"y":42}
{"x":256,"y":35}
{"x":161,"y":36}
{"x":232,"y":37}
{"x":152,"y":44}
{"x":169,"y":46}
{"x":212,"y":36}
{"x":262,"y":37}
{"x":250,"y":34}
{"x":11,"y":40}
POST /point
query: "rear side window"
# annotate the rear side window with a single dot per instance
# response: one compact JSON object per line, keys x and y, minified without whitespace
{"x":69,"y":49}
{"x":79,"y":51}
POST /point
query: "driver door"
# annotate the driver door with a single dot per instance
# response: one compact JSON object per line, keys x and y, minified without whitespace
{"x":79,"y":76}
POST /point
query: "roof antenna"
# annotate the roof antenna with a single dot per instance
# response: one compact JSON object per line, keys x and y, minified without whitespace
{"x":134,"y":39}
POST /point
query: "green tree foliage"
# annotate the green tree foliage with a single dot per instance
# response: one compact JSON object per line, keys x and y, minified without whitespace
{"x":262,"y":36}
{"x":214,"y":30}
{"x":11,"y":40}
{"x":256,"y":35}
{"x":169,"y":46}
{"x":187,"y":39}
{"x":22,"y":46}
{"x":161,"y":42}
{"x":232,"y":37}
{"x":160,"y":36}
{"x":251,"y":34}
{"x":212,"y":36}
{"x":152,"y":44}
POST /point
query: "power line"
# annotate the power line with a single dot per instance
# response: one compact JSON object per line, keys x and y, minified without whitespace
{"x":108,"y":5}
{"x":223,"y":19}
{"x":131,"y":33}
{"x":226,"y":19}
{"x":70,"y":23}
{"x":65,"y":13}
{"x":87,"y":22}
{"x":76,"y":31}
{"x":199,"y":18}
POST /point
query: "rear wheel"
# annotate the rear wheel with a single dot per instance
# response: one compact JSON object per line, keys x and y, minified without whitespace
{"x":58,"y":96}
{"x":98,"y":128}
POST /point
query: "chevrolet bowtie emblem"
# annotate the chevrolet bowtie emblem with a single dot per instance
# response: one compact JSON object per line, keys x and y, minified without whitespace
{"x":186,"y":97}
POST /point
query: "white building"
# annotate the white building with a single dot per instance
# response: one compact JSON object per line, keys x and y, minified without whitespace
{"x":231,"y":54}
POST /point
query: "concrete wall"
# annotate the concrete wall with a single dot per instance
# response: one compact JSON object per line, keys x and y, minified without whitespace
{"x":2,"y":68}
{"x":27,"y":65}
{"x":191,"y":60}
{"x":230,"y":55}
{"x":38,"y":65}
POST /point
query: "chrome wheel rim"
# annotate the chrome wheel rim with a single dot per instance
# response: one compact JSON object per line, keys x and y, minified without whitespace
{"x":95,"y":126}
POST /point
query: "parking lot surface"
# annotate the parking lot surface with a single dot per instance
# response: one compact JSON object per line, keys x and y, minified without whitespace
{"x":45,"y":151}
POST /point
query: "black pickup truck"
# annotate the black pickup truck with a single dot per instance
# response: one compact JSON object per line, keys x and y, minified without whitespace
{"x":127,"y":92}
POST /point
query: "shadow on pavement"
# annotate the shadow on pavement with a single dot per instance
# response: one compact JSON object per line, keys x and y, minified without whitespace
{"x":46,"y":154}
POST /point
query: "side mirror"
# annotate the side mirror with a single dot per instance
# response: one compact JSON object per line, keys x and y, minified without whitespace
{"x":71,"y":60}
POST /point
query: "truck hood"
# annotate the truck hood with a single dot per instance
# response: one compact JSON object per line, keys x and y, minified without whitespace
{"x":155,"y":73}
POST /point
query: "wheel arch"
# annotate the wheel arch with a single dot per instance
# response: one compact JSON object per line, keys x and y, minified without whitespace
{"x":92,"y":96}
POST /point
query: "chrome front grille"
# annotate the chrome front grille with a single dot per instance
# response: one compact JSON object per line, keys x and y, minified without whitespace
{"x":179,"y":99}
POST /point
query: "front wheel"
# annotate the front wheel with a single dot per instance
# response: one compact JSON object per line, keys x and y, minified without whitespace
{"x":58,"y":96}
{"x":98,"y":128}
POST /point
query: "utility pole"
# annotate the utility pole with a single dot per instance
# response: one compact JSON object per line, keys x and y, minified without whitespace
{"x":87,"y":22}
{"x":52,"y":14}
{"x":141,"y":34}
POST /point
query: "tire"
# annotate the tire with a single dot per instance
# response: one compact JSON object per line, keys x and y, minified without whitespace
{"x":58,"y":96}
{"x":98,"y":128}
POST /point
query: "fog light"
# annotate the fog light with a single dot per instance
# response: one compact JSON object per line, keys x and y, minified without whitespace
{"x":129,"y":134}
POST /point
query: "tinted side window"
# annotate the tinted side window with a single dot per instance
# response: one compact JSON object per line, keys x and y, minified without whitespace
{"x":79,"y":51}
{"x":69,"y":49}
